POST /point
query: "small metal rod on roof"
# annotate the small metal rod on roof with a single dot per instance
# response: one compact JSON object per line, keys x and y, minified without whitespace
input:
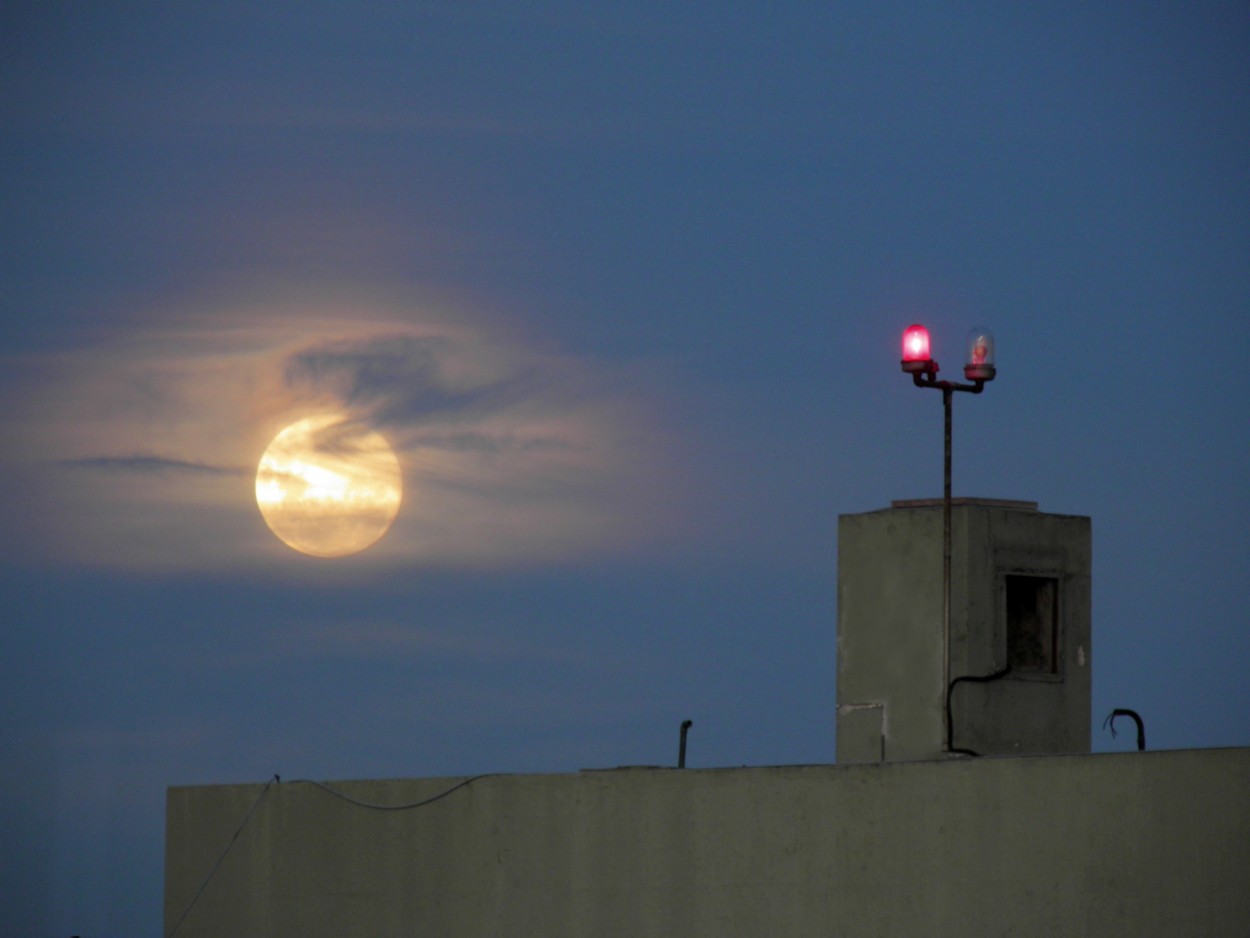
{"x":681,"y":748}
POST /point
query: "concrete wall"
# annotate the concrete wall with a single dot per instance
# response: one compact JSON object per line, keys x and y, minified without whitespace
{"x":890,"y":690}
{"x":1154,"y":843}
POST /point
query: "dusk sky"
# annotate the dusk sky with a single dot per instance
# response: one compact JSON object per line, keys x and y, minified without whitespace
{"x":623,"y":286}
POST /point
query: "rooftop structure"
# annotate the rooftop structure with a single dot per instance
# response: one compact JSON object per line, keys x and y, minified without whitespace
{"x":1020,"y":645}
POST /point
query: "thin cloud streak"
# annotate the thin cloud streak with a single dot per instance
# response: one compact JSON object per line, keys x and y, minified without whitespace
{"x":149,"y":464}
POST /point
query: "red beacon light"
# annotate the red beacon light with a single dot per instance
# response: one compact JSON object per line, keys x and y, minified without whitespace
{"x":979,"y":365}
{"x":916,"y":357}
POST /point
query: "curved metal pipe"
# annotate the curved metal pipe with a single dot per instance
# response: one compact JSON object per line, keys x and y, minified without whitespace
{"x":1133,"y":715}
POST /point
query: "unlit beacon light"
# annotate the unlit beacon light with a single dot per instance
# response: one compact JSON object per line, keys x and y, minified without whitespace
{"x":979,"y":365}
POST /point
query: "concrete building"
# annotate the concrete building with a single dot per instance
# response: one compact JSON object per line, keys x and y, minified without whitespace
{"x":1020,"y":652}
{"x":1132,"y":844}
{"x":914,"y":840}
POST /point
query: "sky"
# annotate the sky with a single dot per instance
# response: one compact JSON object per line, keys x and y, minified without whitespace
{"x":623,"y":285}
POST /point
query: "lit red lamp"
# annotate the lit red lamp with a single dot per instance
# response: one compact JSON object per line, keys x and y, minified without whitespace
{"x":916,"y":357}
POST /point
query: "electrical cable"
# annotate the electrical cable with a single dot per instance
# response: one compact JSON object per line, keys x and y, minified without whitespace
{"x":389,"y":807}
{"x":950,"y":722}
{"x":326,"y":788}
{"x":204,"y":885}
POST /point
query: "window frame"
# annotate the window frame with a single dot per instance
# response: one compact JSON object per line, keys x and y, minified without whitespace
{"x":1058,"y":637}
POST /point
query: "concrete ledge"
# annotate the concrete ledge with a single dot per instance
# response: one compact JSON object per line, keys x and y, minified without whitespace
{"x":1154,"y":843}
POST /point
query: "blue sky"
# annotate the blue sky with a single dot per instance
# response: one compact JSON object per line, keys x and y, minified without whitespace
{"x":624,"y":287}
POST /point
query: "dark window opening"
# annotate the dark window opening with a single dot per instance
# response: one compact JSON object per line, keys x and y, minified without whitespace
{"x":1033,"y":624}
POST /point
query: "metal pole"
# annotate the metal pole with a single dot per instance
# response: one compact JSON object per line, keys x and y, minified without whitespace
{"x":926,"y":377}
{"x":946,"y":566}
{"x":681,"y":748}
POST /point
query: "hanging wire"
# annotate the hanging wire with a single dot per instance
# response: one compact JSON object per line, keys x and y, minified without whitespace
{"x":389,"y":807}
{"x":326,"y":788}
{"x":204,"y":885}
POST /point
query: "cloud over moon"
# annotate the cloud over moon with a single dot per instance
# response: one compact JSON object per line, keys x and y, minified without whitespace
{"x":139,"y":451}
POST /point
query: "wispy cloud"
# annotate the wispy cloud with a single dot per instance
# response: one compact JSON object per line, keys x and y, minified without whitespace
{"x":149,"y":464}
{"x":139,"y":451}
{"x":400,"y":379}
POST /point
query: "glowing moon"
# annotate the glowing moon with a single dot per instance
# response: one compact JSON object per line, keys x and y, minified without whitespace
{"x":328,"y":488}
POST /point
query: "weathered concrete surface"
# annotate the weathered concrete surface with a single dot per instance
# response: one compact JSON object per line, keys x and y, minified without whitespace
{"x":890,"y":692}
{"x":1138,"y":844}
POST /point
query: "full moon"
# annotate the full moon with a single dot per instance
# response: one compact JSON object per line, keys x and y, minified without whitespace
{"x":327,"y":487}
